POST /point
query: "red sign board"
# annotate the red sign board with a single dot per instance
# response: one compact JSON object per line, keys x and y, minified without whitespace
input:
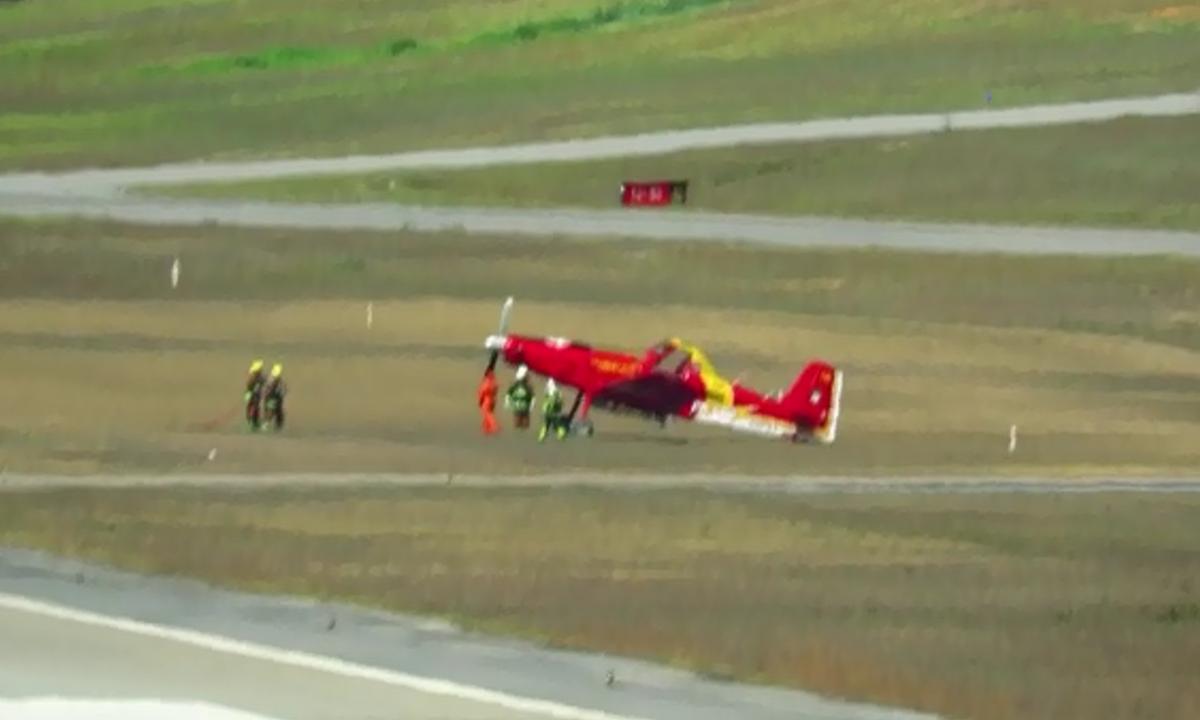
{"x":656,"y":192}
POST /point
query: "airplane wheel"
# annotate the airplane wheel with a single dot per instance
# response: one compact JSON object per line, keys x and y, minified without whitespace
{"x":586,"y":429}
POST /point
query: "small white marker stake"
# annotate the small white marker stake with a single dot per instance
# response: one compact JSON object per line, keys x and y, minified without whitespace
{"x":370,"y":315}
{"x":212,"y":454}
{"x":1012,"y":439}
{"x":175,"y":273}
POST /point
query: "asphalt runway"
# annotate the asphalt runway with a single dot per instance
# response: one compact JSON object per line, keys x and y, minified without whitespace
{"x":71,"y":630}
{"x":53,"y":657}
{"x":105,"y":193}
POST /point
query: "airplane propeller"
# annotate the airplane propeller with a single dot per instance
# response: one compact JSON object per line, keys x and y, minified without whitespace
{"x":495,"y":343}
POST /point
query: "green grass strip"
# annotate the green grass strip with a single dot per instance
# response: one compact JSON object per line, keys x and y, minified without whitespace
{"x":288,"y":57}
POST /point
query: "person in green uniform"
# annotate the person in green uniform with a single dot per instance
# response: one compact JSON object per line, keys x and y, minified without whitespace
{"x":519,"y":398}
{"x":552,"y":413}
{"x":255,"y":381}
{"x":273,"y":394}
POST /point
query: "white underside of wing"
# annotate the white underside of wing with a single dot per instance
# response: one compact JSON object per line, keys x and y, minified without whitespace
{"x":742,"y":421}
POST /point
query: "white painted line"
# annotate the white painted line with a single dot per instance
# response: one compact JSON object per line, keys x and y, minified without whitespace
{"x":53,"y":708}
{"x":308,"y":661}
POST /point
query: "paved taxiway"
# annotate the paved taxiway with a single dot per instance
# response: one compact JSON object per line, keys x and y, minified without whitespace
{"x":808,"y":232}
{"x":103,"y":193}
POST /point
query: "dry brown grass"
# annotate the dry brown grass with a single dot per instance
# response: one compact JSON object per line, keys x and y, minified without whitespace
{"x":112,"y":370}
{"x":983,"y":606}
{"x":398,"y":397}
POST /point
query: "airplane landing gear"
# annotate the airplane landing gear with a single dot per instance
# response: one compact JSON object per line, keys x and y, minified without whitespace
{"x":584,"y":426}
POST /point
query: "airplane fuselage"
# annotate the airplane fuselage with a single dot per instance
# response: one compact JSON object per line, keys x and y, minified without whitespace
{"x":621,"y":381}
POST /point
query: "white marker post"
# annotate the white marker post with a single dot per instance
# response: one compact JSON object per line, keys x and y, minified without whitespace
{"x":1012,"y":439}
{"x":370,"y":315}
{"x":175,"y":274}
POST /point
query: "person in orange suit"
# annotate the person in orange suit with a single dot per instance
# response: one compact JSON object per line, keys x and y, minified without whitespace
{"x":488,"y":390}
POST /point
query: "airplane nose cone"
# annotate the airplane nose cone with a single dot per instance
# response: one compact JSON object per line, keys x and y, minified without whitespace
{"x":495,"y":342}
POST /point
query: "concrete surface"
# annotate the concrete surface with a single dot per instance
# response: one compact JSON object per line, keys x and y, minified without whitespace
{"x":55,"y":708}
{"x":103,"y":193}
{"x":75,"y":630}
{"x":52,"y":657}
{"x":807,"y":232}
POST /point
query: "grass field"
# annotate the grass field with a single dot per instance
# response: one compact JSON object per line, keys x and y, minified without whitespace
{"x":993,"y":607}
{"x":1133,"y":172}
{"x":1094,"y":359}
{"x":118,"y":82}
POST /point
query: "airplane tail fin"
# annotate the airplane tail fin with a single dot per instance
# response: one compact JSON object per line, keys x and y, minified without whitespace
{"x":815,"y":399}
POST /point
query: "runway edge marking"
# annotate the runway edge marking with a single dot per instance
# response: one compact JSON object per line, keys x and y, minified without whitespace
{"x":309,"y":661}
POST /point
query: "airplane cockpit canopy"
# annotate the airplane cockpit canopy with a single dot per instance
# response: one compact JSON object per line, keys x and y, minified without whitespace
{"x":670,"y":357}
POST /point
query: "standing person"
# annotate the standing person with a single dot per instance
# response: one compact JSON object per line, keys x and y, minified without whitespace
{"x":519,"y":398}
{"x":552,"y":413}
{"x":487,"y":402}
{"x":273,"y":393}
{"x":255,"y":381}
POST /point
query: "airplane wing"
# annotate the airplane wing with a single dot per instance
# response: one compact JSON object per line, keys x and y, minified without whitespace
{"x":654,"y":394}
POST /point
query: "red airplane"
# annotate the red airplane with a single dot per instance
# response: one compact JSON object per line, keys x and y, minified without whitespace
{"x":674,"y":380}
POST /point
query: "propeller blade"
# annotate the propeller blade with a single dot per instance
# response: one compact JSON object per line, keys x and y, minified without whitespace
{"x":505,"y":312}
{"x":501,"y":332}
